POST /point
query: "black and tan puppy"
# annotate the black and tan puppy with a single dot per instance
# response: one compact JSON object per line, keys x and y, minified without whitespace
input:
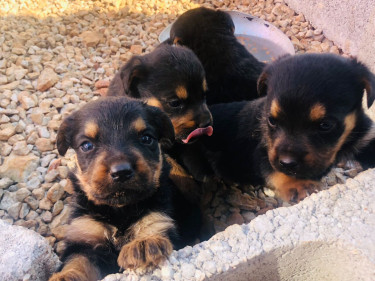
{"x":126,"y":213}
{"x":231,"y":71}
{"x":311,"y":118}
{"x":173,"y":79}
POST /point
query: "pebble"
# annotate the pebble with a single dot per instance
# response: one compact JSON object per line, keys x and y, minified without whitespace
{"x":55,"y":192}
{"x":5,"y":183}
{"x":45,"y":204}
{"x":47,"y":79}
{"x":44,"y":144}
{"x":22,"y":193}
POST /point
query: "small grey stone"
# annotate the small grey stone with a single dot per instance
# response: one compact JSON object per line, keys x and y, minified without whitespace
{"x":47,"y":159}
{"x":5,"y":183}
{"x":13,"y":188}
{"x":14,"y":210}
{"x":57,"y":208}
{"x":33,"y":183}
{"x":32,"y":215}
{"x":8,"y":199}
{"x":22,"y":193}
{"x":24,"y":211}
{"x":47,"y":217}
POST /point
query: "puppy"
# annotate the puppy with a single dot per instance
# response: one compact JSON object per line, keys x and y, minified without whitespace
{"x":311,"y":118}
{"x":173,"y":79}
{"x":231,"y":71}
{"x":126,"y":213}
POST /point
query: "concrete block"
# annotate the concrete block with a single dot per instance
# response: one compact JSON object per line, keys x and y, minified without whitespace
{"x":328,"y":236}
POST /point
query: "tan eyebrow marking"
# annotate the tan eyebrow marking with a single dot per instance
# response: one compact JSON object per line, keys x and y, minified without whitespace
{"x":181,"y":92}
{"x":317,"y":112}
{"x":139,"y":124}
{"x":91,"y":129}
{"x":275,"y":108}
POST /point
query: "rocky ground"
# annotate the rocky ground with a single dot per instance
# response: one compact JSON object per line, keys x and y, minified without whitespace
{"x":57,"y":55}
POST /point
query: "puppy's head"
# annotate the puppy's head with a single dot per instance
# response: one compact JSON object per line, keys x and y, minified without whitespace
{"x":200,"y":22}
{"x":172,"y":79}
{"x":313,"y":110}
{"x":117,"y":142}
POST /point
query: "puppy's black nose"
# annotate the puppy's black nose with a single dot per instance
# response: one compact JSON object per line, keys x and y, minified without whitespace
{"x":121,"y":172}
{"x":288,"y":162}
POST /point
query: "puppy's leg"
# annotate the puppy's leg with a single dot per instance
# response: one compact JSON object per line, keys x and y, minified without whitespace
{"x":291,"y":189}
{"x":149,"y":242}
{"x":77,"y":268}
{"x":88,"y":254}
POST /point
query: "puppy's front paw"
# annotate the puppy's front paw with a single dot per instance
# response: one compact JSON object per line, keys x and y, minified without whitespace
{"x":77,"y":268}
{"x":291,"y":189}
{"x":143,"y":253}
{"x":70,"y":275}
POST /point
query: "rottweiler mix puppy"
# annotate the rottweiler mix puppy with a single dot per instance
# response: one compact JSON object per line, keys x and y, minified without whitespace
{"x":231,"y":71}
{"x":311,"y":118}
{"x":173,"y":79}
{"x":126,"y":213}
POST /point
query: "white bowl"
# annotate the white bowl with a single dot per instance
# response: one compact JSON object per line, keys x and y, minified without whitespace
{"x":261,"y":38}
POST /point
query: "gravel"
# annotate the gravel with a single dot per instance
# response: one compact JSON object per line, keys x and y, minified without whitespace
{"x":55,"y":58}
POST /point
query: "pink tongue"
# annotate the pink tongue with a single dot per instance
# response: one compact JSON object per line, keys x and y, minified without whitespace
{"x":199,"y":132}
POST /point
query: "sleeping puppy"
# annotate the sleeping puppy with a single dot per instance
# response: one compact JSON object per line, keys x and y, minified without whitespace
{"x":173,"y":79}
{"x":311,"y":118}
{"x":231,"y":71}
{"x":126,"y":213}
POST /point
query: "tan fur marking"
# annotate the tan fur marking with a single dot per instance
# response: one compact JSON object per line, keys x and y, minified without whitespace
{"x":154,"y":102}
{"x":317,"y":112}
{"x":151,"y":224}
{"x":204,"y":85}
{"x":91,"y":129}
{"x":92,"y":180}
{"x":139,"y":125}
{"x":181,"y":92}
{"x":184,"y":181}
{"x":85,"y":229}
{"x":176,"y":41}
{"x":349,"y":123}
{"x":184,"y":122}
{"x":77,"y":268}
{"x":275,"y":108}
{"x":287,"y":187}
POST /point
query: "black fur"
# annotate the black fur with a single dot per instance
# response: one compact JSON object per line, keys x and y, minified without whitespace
{"x":231,"y":71}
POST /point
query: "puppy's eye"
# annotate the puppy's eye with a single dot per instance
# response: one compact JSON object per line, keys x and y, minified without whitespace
{"x":87,"y":146}
{"x":326,"y":126}
{"x":272,"y":121}
{"x":175,"y":103}
{"x":147,"y":140}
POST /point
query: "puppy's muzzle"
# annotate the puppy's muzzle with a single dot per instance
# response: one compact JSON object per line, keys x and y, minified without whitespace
{"x":288,"y":162}
{"x":121,"y":172}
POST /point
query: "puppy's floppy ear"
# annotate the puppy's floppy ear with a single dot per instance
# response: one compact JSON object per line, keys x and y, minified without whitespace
{"x":262,"y":84}
{"x":131,"y":75}
{"x":64,"y":137}
{"x":163,"y":124}
{"x":367,"y":78}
